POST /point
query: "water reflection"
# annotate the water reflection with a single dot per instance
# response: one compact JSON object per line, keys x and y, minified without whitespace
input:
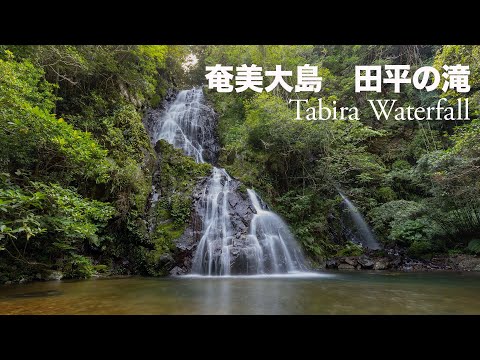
{"x":334,"y":293}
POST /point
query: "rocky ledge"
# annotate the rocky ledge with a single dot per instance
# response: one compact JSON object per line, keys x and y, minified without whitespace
{"x":397,"y":262}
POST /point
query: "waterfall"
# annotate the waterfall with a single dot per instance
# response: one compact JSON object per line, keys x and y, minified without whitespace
{"x":274,"y":240}
{"x":363,"y":230}
{"x":213,"y":251}
{"x":186,"y":125}
{"x":225,"y":246}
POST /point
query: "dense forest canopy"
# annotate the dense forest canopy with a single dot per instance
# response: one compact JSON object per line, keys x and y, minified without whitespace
{"x":76,"y":163}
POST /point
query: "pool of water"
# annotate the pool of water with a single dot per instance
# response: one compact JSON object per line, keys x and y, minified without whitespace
{"x":311,"y":293}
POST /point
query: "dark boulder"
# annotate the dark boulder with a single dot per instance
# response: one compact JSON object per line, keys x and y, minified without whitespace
{"x":365,"y":262}
{"x":350,"y":260}
{"x":346,"y":267}
{"x":331,"y":264}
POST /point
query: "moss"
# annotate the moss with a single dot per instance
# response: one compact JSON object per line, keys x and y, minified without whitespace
{"x":178,"y":177}
{"x":155,"y":100}
{"x":242,"y":189}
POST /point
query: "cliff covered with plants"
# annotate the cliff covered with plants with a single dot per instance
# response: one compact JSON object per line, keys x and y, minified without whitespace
{"x":76,"y":162}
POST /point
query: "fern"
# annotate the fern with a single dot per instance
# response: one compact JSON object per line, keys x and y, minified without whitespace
{"x":474,"y":246}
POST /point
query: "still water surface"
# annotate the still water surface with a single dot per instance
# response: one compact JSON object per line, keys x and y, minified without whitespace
{"x":325,"y":293}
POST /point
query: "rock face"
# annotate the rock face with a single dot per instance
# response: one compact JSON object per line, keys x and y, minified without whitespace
{"x":365,"y":262}
{"x":151,"y":115}
{"x":397,"y":260}
{"x":346,"y":267}
{"x":381,"y":264}
{"x":54,"y":275}
{"x":465,"y":262}
{"x":351,"y":260}
{"x":331,"y":264}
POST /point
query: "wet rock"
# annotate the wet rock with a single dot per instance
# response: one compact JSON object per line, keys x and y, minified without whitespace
{"x":54,"y":275}
{"x":396,"y":262}
{"x":320,"y":264}
{"x":241,"y":214}
{"x":381,"y":264}
{"x":466,"y":262}
{"x":365,"y":262}
{"x":350,"y":261}
{"x":176,"y":271}
{"x":420,"y":267}
{"x":331,"y":264}
{"x":166,"y":261}
{"x":346,"y":267}
{"x":235,"y":251}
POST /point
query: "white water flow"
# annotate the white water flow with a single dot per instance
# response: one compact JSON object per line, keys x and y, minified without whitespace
{"x":363,"y":230}
{"x":278,"y":249}
{"x":213,"y":251}
{"x":269,"y":247}
{"x":184,"y":125}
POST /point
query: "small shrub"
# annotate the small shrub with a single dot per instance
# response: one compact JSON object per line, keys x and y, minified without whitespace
{"x":350,"y":249}
{"x":79,"y":267}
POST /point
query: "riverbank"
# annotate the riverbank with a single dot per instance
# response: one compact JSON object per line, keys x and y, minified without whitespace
{"x":396,"y":261}
{"x":377,"y":260}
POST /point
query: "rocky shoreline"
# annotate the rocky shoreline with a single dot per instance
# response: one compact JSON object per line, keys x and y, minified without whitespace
{"x":396,"y":261}
{"x":381,"y":261}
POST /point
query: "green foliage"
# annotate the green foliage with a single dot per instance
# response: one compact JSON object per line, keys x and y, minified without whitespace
{"x":180,"y":208}
{"x":79,"y":267}
{"x":263,"y":150}
{"x":420,"y":248}
{"x":34,"y":140}
{"x":350,"y":249}
{"x":45,"y":220}
{"x":388,"y":215}
{"x":64,"y":177}
{"x":176,"y":181}
{"x":474,"y":246}
{"x":418,"y":186}
{"x":410,"y":231}
{"x":464,"y":55}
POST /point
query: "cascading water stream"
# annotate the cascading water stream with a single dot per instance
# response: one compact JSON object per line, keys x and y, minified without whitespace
{"x":213,"y":251}
{"x":363,"y":230}
{"x":185,"y":124}
{"x":274,"y":240}
{"x":269,"y":247}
